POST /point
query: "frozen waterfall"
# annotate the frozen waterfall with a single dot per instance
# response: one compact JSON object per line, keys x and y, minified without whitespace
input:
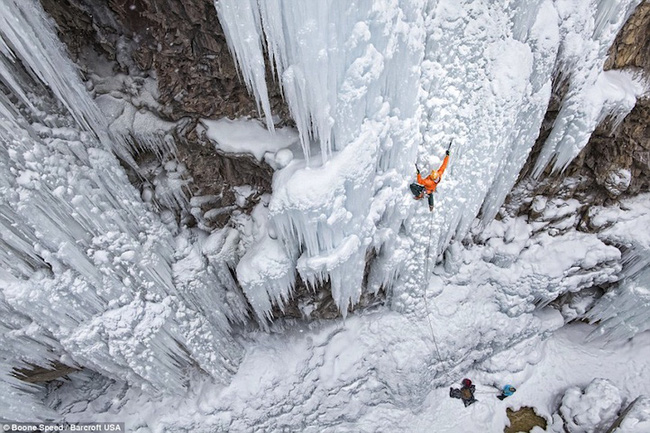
{"x":91,"y":276}
{"x":376,"y":86}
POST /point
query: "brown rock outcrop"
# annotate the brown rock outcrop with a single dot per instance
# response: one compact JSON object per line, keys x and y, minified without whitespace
{"x":180,"y":41}
{"x":632,"y":46}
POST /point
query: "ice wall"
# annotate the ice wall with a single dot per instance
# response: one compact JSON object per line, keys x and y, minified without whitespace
{"x":375,"y":87}
{"x":350,"y":73}
{"x":89,"y":275}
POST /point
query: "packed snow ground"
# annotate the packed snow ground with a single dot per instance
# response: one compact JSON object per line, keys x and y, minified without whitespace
{"x":359,"y":376}
{"x":381,"y":370}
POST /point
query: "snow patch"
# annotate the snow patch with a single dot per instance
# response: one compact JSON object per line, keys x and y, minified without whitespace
{"x":248,"y":136}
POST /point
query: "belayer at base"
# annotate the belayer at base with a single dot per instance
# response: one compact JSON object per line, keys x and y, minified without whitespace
{"x":466,"y":393}
{"x":507,"y":391}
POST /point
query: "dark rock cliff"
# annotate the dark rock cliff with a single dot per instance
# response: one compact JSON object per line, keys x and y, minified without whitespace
{"x":611,"y":149}
{"x":180,"y":42}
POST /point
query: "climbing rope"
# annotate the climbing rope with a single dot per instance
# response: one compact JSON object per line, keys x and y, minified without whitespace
{"x":426,"y":283}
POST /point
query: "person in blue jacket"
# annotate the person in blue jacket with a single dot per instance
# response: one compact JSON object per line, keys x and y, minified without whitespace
{"x":507,"y":391}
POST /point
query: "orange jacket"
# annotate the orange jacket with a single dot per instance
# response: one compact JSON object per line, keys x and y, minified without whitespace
{"x":431,"y":181}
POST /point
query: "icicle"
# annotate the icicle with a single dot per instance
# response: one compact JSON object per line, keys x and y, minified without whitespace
{"x":624,"y":311}
{"x":76,"y":237}
{"x":27,"y":34}
{"x":240,"y":22}
{"x":17,"y":399}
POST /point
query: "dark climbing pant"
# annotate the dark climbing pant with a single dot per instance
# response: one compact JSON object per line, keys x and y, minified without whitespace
{"x":418,"y":192}
{"x":469,"y":401}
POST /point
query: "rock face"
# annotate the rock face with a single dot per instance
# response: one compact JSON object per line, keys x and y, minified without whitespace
{"x":215,"y":174}
{"x":628,"y":147}
{"x":632,"y":46}
{"x":181,"y":42}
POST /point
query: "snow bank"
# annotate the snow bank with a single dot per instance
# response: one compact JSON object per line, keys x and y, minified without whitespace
{"x":593,"y":409}
{"x":374,"y":374}
{"x":248,"y":136}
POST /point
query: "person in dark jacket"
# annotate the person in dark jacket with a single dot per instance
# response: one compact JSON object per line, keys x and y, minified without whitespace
{"x":466,"y":393}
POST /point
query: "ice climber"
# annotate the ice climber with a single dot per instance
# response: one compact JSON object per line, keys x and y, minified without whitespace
{"x":466,"y":393}
{"x":507,"y":391}
{"x":427,"y":186}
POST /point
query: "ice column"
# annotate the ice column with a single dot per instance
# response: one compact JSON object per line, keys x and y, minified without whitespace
{"x":89,"y":275}
{"x":349,"y":72}
{"x":587,"y":30}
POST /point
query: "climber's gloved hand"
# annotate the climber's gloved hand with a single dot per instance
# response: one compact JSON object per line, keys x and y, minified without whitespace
{"x":447,"y":152}
{"x":417,"y":170}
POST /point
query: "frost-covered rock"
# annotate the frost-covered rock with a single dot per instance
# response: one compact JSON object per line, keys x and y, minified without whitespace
{"x":591,"y":409}
{"x":617,"y":181}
